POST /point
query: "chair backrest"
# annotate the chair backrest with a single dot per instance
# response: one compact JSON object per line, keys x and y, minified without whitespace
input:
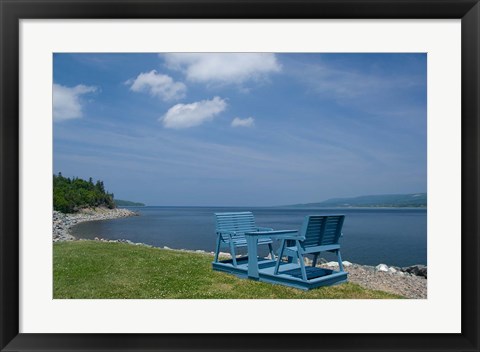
{"x":238,"y":222}
{"x":321,"y":230}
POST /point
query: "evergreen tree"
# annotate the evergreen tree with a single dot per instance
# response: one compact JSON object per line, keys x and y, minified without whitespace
{"x":71,"y":195}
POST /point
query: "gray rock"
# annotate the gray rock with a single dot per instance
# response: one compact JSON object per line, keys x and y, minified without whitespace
{"x":223,"y":254}
{"x":416,"y":270}
{"x":381,"y":267}
{"x":369,"y":268}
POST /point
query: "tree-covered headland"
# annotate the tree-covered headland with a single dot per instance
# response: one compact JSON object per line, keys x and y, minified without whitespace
{"x":73,"y":194}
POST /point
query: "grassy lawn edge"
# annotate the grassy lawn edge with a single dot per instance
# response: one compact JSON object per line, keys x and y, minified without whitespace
{"x":110,"y":270}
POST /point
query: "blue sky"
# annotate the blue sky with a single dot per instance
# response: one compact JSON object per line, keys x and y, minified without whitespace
{"x":242,"y":129}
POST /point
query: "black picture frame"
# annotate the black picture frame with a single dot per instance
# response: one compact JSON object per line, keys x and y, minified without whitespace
{"x":12,"y":11}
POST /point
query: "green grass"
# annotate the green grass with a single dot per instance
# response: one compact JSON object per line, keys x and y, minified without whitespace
{"x":91,"y":269}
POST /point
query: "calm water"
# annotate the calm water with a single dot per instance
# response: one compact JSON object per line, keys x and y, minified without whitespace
{"x":371,"y":236}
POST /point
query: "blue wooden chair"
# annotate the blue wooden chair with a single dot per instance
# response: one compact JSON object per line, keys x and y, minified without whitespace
{"x":319,"y":233}
{"x":231,"y":229}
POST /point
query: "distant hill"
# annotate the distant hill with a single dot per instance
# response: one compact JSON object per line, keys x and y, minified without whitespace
{"x":383,"y":200}
{"x":127,"y":203}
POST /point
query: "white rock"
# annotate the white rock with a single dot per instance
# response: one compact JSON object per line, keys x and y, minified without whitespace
{"x":165,"y":247}
{"x":392,"y":270}
{"x":346,"y":263}
{"x":332,"y":264}
{"x":381,"y":267}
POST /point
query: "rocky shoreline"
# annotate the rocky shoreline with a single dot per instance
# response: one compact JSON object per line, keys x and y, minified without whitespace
{"x":62,"y":223}
{"x":410,"y":282}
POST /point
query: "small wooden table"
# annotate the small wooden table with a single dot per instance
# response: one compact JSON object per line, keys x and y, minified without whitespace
{"x":252,"y":244}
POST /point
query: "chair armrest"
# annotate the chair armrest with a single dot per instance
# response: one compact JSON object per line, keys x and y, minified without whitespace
{"x":277,"y":234}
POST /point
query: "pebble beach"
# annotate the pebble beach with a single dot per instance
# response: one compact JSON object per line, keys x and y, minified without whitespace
{"x":62,"y":223}
{"x":410,"y":282}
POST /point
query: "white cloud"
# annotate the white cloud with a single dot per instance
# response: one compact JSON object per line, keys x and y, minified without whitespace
{"x":238,"y":122}
{"x":222,"y":68}
{"x":66,"y":101}
{"x":158,"y":85}
{"x":194,"y":114}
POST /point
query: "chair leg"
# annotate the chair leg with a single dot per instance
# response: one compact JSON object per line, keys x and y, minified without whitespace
{"x":302,"y":267}
{"x":217,"y":252}
{"x":302,"y":261}
{"x":315,"y":258}
{"x":270,"y":248}
{"x":280,"y":255}
{"x":232,"y":252}
{"x":340,"y":264}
